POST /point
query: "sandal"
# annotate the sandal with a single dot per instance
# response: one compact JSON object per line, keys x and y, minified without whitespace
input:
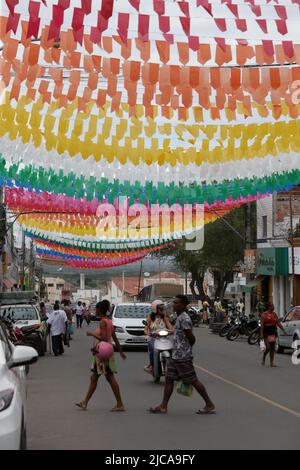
{"x":157,"y":410}
{"x":118,"y":409}
{"x":206,"y":411}
{"x":81,"y":405}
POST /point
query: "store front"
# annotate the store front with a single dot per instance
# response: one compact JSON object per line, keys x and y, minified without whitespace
{"x":273,"y":263}
{"x":296,"y":270}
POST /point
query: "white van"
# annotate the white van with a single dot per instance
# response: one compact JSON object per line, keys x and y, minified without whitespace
{"x":128,"y":319}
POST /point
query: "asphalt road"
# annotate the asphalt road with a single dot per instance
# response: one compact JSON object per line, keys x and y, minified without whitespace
{"x":257,"y":407}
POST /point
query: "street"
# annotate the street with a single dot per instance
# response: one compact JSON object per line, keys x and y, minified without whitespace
{"x":257,"y":407}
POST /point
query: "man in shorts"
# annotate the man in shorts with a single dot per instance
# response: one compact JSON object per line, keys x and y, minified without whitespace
{"x":180,"y":366}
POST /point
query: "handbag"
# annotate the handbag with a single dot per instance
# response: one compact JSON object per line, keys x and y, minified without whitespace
{"x":184,"y":389}
{"x":271,"y":339}
{"x":262,"y":345}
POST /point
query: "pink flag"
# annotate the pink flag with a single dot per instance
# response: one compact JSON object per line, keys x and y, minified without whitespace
{"x":268,"y":47}
{"x":184,"y":6}
{"x":281,"y":26}
{"x":281,"y":11}
{"x":86,"y":6}
{"x":241,"y":25}
{"x":221,"y":42}
{"x":135,"y":4}
{"x":107,"y":8}
{"x":288,"y":48}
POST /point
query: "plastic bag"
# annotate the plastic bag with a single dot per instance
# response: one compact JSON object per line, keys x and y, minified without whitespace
{"x":262,"y":345}
{"x":184,"y":389}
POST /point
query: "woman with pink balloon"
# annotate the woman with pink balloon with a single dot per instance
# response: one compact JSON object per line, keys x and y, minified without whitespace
{"x":103,"y":357}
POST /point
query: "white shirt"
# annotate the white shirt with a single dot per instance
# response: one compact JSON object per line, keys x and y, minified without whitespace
{"x":79,"y":310}
{"x":57,"y":320}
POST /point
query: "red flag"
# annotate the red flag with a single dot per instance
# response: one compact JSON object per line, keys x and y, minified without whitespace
{"x":56,"y":23}
{"x":123,"y":24}
{"x":164,"y":23}
{"x":281,"y":12}
{"x":221,"y":23}
{"x":184,"y":6}
{"x":64,"y":4}
{"x":86,"y":6}
{"x":11,"y":5}
{"x":194,"y":43}
{"x":207,"y":6}
{"x":288,"y":48}
{"x":185,"y":23}
{"x":107,"y":8}
{"x":12,"y":22}
{"x":281,"y":26}
{"x":143,"y":27}
{"x":34,"y":20}
{"x":256,"y":10}
{"x":159,"y":7}
{"x":233,"y":9}
{"x":241,"y":25}
{"x":268,"y":47}
{"x":221,"y":42}
{"x":263,"y":25}
{"x":135,"y":4}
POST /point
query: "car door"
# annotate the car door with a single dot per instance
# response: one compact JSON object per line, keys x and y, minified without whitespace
{"x":295,"y":323}
{"x":286,"y":340}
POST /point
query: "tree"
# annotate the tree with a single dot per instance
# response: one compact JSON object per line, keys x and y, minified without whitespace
{"x":223,"y":249}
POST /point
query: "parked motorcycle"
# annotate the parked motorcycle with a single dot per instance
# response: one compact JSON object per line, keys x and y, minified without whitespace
{"x":254,"y":337}
{"x":195,"y":316}
{"x":243,"y":327}
{"x":227,"y":327}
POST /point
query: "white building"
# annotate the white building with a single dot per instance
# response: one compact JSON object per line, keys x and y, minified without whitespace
{"x":54,"y":288}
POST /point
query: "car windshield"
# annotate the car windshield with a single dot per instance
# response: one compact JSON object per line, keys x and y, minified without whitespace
{"x":19,"y":312}
{"x":132,"y":311}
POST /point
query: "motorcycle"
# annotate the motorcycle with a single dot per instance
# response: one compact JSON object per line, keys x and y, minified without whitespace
{"x":227,"y":327}
{"x":254,"y":337}
{"x":194,"y":314}
{"x":163,"y":346}
{"x":243,"y":326}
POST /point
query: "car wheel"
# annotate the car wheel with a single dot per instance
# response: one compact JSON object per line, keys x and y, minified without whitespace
{"x":279,"y":349}
{"x":23,"y":439}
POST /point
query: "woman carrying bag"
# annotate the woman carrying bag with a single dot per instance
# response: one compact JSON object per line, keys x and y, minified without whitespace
{"x":268,"y":332}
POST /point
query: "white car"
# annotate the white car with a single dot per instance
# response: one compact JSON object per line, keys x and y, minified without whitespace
{"x":291,"y":324}
{"x":13,"y":392}
{"x":128,"y":322}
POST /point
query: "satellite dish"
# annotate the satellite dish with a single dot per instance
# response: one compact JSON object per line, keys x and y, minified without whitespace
{"x":146,"y":274}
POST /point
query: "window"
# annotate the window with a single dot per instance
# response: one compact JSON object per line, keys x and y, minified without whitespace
{"x":264,"y":226}
{"x":296,"y":314}
{"x":290,"y":316}
{"x":59,"y":286}
{"x":50,"y":285}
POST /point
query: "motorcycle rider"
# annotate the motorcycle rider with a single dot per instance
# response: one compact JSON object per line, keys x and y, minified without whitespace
{"x":157,"y":320}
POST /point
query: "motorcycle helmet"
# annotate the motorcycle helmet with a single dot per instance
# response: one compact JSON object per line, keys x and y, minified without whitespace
{"x":155,"y":304}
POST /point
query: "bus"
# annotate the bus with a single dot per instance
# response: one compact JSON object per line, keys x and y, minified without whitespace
{"x":160,"y":290}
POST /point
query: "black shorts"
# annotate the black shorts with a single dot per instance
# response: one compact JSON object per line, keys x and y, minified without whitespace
{"x":181,"y":370}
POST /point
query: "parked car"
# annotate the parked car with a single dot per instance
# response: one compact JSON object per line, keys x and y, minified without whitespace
{"x":13,"y":360}
{"x":21,"y":309}
{"x":128,"y":322}
{"x":291,"y":324}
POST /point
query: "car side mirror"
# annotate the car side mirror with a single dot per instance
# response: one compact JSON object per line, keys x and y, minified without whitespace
{"x":23,"y":356}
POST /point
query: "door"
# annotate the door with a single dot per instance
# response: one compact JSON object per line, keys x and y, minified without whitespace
{"x":288,"y":326}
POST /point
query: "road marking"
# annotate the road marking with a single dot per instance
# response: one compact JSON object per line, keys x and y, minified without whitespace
{"x":250,"y":392}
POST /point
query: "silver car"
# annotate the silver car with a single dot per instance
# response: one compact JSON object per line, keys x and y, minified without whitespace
{"x":291,"y":324}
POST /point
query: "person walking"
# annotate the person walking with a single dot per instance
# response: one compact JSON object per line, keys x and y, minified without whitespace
{"x":79,"y":314}
{"x":69,"y":313}
{"x":105,"y":332}
{"x":268,"y":332}
{"x":180,"y":366}
{"x":57,"y":322}
{"x":86,"y":314}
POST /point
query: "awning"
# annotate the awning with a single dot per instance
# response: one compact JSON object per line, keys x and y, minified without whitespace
{"x":248,"y":287}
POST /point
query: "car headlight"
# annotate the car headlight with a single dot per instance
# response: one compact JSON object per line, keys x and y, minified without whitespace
{"x":119,"y":329}
{"x":6,"y":397}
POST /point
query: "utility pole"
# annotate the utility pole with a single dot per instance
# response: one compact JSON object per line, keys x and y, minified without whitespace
{"x":248,"y":247}
{"x":2,"y":235}
{"x":31,"y":267}
{"x":293,"y":249}
{"x":23,"y":261}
